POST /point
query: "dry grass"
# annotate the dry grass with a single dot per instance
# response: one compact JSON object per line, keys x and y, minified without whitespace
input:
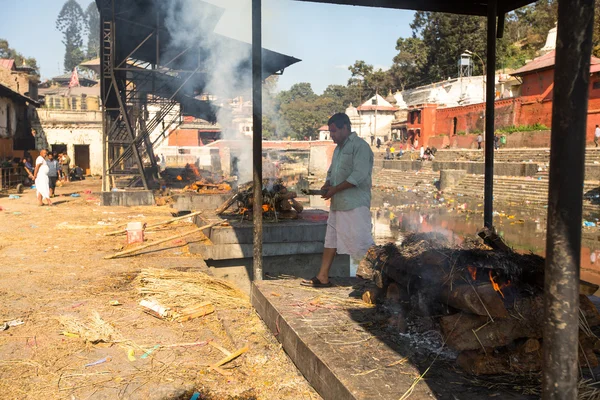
{"x":588,"y":389}
{"x":181,"y":289}
{"x":95,"y":330}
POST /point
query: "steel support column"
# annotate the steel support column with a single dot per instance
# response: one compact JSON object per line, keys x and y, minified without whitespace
{"x":257,"y":216}
{"x":490,"y":98}
{"x":565,"y":196}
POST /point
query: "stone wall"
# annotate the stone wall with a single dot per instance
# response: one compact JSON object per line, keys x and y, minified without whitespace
{"x":500,"y":169}
{"x":70,"y":128}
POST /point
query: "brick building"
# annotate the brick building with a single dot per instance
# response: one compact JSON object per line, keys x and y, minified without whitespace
{"x":441,"y":127}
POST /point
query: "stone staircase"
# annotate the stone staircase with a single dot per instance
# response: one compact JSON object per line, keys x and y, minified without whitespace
{"x":539,"y":156}
{"x":390,"y":178}
{"x":517,"y":190}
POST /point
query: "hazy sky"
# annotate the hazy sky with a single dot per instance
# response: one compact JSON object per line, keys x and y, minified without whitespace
{"x":327,"y":38}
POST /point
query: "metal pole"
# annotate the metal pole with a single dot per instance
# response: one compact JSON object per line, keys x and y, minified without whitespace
{"x":488,"y":207}
{"x":565,"y":196}
{"x":257,"y":216}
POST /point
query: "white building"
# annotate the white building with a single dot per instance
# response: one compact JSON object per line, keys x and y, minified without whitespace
{"x":376,"y":116}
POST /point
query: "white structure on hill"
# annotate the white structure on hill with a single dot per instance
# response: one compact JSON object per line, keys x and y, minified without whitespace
{"x":376,"y":116}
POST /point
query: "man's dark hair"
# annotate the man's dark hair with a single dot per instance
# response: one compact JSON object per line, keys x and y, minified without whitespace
{"x":339,"y":120}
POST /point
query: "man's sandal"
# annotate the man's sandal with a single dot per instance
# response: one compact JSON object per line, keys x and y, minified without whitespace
{"x":316,"y":283}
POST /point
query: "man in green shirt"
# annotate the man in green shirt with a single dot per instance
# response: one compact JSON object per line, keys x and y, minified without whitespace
{"x":348,"y":186}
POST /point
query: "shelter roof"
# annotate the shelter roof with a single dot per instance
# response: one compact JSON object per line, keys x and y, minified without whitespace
{"x":135,"y":23}
{"x":324,"y":128}
{"x":544,"y":62}
{"x":5,"y":91}
{"x":7,"y":63}
{"x":470,"y":7}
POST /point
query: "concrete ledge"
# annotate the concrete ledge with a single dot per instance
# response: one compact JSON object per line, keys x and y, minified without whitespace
{"x":451,"y":177}
{"x":128,"y":198}
{"x":244,"y":250}
{"x":478,"y":168}
{"x":239,"y":271}
{"x":280,"y":232}
{"x":197,"y":202}
{"x":310,"y":365}
{"x":402,"y":165}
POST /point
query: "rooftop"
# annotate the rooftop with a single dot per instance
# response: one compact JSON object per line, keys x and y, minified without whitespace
{"x":544,"y":62}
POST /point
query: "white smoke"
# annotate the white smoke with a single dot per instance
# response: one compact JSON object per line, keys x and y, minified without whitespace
{"x":192,"y":23}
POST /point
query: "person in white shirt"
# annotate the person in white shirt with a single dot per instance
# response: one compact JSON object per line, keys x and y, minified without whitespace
{"x":42,"y":182}
{"x":597,"y":135}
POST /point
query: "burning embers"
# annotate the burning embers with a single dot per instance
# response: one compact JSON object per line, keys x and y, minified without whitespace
{"x":278,"y":201}
{"x":202,"y":181}
{"x":487,"y":304}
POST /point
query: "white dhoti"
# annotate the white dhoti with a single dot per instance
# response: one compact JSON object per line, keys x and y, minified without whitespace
{"x":350,"y":232}
{"x":42,"y":183}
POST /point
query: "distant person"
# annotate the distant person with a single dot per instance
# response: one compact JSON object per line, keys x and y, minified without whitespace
{"x":378,"y":143}
{"x":496,"y":141}
{"x":372,"y":140}
{"x":400,"y":151}
{"x":597,"y":135}
{"x":53,"y":168}
{"x":348,"y":186}
{"x":28,"y":168}
{"x":77,"y":174}
{"x":163,"y":163}
{"x":40,"y":175}
{"x":65,"y":166}
{"x":422,"y":153}
{"x":388,"y":150}
{"x":416,"y":144}
{"x":479,"y":141}
{"x":392,"y":151}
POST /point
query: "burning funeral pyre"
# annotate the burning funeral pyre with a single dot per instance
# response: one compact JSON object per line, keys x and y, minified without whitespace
{"x":278,"y":201}
{"x":202,"y":181}
{"x":487,"y":304}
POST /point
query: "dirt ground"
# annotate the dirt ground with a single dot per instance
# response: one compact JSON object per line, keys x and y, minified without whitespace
{"x":52,"y":269}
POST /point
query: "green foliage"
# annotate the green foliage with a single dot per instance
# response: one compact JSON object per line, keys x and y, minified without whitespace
{"x":92,"y":17}
{"x":71,"y":22}
{"x":461,"y":133}
{"x":523,"y":128}
{"x":7,"y":52}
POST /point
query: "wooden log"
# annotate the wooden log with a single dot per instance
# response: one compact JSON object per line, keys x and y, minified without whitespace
{"x":297,"y":206}
{"x":134,"y":250}
{"x":480,"y":300}
{"x":230,"y":357}
{"x":464,"y":331}
{"x":587,"y":288}
{"x":196,"y":311}
{"x":589,"y":310}
{"x":226,"y":204}
{"x":155,"y":225}
{"x":491,"y":238}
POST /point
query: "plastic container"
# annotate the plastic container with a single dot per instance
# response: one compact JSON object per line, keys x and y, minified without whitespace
{"x":135,"y":232}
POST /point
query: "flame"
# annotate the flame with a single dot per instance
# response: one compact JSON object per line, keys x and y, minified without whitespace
{"x":179,"y":178}
{"x":496,"y":286}
{"x":243,"y":210}
{"x":473,"y":272}
{"x":266,"y":207}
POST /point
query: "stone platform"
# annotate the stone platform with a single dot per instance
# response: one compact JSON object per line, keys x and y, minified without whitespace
{"x":345,"y":350}
{"x":197,"y":202}
{"x":128,"y":198}
{"x":290,"y":247}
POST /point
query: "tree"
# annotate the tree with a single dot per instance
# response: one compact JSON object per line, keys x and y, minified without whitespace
{"x":7,"y":52}
{"x":93,"y":27}
{"x":298,"y":91}
{"x":71,"y":23}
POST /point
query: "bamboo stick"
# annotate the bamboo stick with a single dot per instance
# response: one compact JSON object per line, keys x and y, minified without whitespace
{"x":119,"y":232}
{"x":230,"y":357}
{"x":130,"y":251}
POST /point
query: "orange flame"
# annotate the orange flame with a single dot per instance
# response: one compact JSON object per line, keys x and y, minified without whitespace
{"x":473,"y":272}
{"x":266,"y":207}
{"x":179,"y":178}
{"x":497,"y":287}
